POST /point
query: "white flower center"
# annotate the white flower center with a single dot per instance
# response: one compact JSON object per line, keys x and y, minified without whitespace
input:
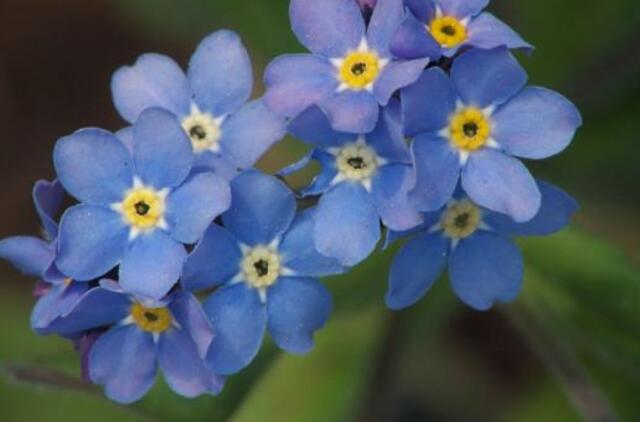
{"x":203,"y":130}
{"x":261,"y":266}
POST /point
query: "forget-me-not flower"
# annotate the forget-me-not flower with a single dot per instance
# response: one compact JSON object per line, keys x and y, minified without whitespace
{"x":351,"y":70}
{"x":172,"y":334}
{"x":485,"y":266}
{"x":226,"y":132}
{"x":265,"y":267}
{"x":445,"y":26}
{"x":137,"y":209}
{"x":472,"y":125}
{"x":364,"y":179}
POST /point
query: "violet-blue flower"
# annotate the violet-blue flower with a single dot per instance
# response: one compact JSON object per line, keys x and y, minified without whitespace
{"x":137,"y":209}
{"x":226,"y":132}
{"x":485,"y":266}
{"x":35,"y":257}
{"x":471,"y":125}
{"x":265,"y":267}
{"x":445,"y":26}
{"x":172,"y":334}
{"x":364,"y":179}
{"x":351,"y":70}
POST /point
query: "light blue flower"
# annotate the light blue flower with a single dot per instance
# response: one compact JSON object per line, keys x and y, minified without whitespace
{"x":172,"y":334}
{"x":34,"y":257}
{"x":137,"y":209}
{"x":226,"y":132}
{"x":434,"y":27}
{"x":351,"y":70}
{"x":265,"y":267}
{"x":471,"y":125}
{"x":364,"y":179}
{"x":485,"y":266}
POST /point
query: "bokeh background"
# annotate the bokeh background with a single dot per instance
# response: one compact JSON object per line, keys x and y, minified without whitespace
{"x":568,"y":349}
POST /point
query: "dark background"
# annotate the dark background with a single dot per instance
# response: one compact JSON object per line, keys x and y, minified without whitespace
{"x":438,"y":361}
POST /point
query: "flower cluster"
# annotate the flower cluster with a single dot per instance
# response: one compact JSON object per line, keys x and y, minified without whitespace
{"x":419,"y":116}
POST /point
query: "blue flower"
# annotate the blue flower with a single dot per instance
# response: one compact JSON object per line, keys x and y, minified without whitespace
{"x":434,"y":27}
{"x":364,"y":179}
{"x":210,"y":101}
{"x":137,"y":209}
{"x":485,"y":266}
{"x":471,"y":125}
{"x":351,"y":71}
{"x":35,"y":257}
{"x":142,"y":335}
{"x":265,"y":267}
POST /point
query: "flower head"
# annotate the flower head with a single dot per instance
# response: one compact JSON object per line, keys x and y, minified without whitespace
{"x":351,"y":70}
{"x":210,"y":101}
{"x":138,"y":208}
{"x":434,"y":27}
{"x":471,"y":125}
{"x":142,"y":335}
{"x":364,"y":179}
{"x":265,"y":268}
{"x":485,"y":266}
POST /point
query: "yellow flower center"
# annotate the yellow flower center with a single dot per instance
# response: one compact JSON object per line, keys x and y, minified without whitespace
{"x":143,"y":208}
{"x":357,"y":162}
{"x":203,"y":130}
{"x":470,"y":129}
{"x":261,"y":266}
{"x":153,"y":320}
{"x":360,"y":69}
{"x":461,"y":219}
{"x":448,"y":31}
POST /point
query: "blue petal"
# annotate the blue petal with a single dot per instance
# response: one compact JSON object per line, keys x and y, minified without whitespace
{"x":462,"y":8}
{"x":98,"y":307}
{"x":93,"y":166}
{"x":261,"y":210}
{"x":183,"y":369}
{"x":397,"y":75}
{"x":239,"y":320}
{"x":322,"y":182}
{"x":208,"y":162}
{"x":124,"y":361}
{"x":424,"y":10}
{"x":385,"y":20}
{"x":391,"y":195}
{"x":297,"y":81}
{"x":297,"y":308}
{"x":193,"y":206}
{"x":60,"y":300}
{"x":387,"y":138}
{"x":220,"y":73}
{"x":329,"y":27}
{"x":188,"y":312}
{"x":484,"y":269}
{"x":249,"y":133}
{"x":153,"y":81}
{"x":554,"y":215}
{"x":300,"y":255}
{"x":215,"y":260}
{"x":487,"y":32}
{"x":502,"y":184}
{"x":437,"y":168}
{"x":487,"y":77}
{"x":537,"y":123}
{"x":412,"y":41}
{"x":347,"y":226}
{"x":152,"y":265}
{"x":427,"y":104}
{"x":92,"y":241}
{"x":414,"y":270}
{"x":29,"y":255}
{"x":125,"y":135}
{"x":352,"y":111}
{"x":162,"y":151}
{"x":47,"y":197}
{"x":313,"y":127}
